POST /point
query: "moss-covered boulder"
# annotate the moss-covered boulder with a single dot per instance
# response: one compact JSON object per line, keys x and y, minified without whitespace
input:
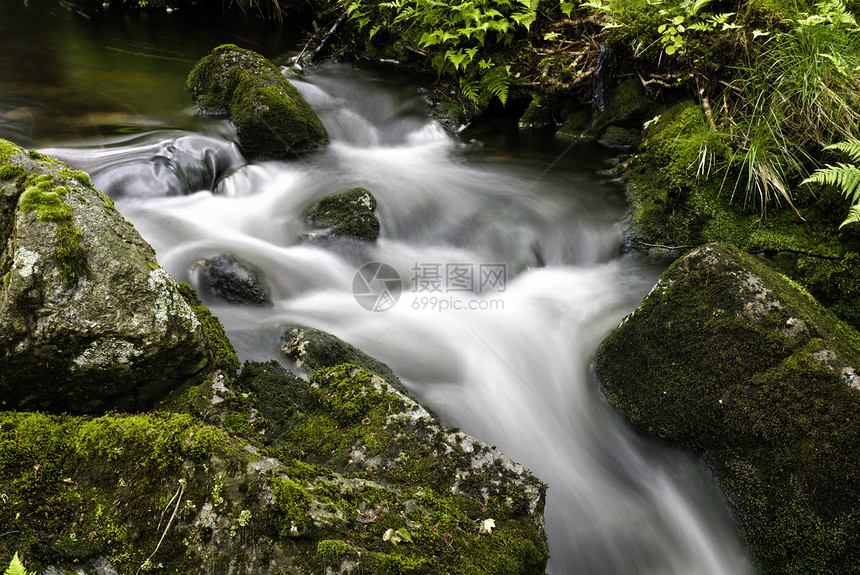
{"x":730,"y":360}
{"x":268,"y":473}
{"x":88,"y":319}
{"x":345,"y":215}
{"x":272,"y":119}
{"x":310,"y":349}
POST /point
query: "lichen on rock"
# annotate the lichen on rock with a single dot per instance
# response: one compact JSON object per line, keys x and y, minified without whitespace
{"x":272,"y":119}
{"x":729,"y":359}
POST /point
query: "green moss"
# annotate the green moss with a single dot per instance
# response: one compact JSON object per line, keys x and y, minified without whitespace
{"x":222,"y":353}
{"x":49,"y":203}
{"x":331,"y":553}
{"x":75,"y":488}
{"x":8,"y":172}
{"x":8,"y":149}
{"x":293,"y":501}
{"x":349,"y":392}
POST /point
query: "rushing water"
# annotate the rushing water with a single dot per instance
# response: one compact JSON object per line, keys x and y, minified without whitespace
{"x":512,"y":366}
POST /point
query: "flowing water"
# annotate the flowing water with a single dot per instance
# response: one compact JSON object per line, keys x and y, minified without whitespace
{"x":521,"y":219}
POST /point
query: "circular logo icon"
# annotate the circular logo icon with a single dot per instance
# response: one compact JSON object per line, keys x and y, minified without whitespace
{"x":377,"y":286}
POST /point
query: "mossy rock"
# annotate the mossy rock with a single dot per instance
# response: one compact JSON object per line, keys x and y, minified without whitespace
{"x":346,"y":215}
{"x":88,"y":319}
{"x":729,"y":359}
{"x":272,"y":119}
{"x":311,"y":349}
{"x":619,"y":138}
{"x":627,"y":107}
{"x":267,"y":474}
{"x":536,"y":116}
{"x":577,"y":126}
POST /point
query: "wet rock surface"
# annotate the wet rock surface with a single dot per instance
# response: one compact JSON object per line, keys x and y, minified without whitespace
{"x":345,"y":215}
{"x":225,"y":278}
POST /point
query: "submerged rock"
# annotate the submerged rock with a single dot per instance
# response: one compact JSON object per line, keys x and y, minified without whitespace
{"x":225,"y":278}
{"x":345,"y":215}
{"x":272,"y":119}
{"x":728,"y":359}
{"x":88,"y":319}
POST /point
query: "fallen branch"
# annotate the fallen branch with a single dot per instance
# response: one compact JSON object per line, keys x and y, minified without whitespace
{"x":753,"y":252}
{"x":318,"y":50}
{"x":665,"y":247}
{"x":786,"y":250}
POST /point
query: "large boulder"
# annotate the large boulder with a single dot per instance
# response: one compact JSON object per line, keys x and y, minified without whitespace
{"x":267,"y":474}
{"x":272,"y":119}
{"x":730,"y":360}
{"x":88,"y":319}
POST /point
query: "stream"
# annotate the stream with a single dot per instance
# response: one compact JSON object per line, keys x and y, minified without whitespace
{"x":507,"y":244}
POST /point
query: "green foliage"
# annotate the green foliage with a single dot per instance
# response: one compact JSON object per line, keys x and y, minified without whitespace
{"x":845,"y":177}
{"x":679,"y":26}
{"x":16,"y":567}
{"x":462,"y":38}
{"x":797,"y":94}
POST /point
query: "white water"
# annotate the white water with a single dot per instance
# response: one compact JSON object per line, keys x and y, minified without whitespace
{"x":517,"y":375}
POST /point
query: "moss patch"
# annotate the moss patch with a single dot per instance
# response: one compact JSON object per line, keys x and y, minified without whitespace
{"x":222,"y":354}
{"x":49,"y":203}
{"x":75,"y":488}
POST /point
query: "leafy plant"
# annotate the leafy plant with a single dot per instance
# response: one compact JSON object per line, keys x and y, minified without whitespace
{"x":462,"y":38}
{"x":396,"y":537}
{"x":678,"y":26}
{"x":796,"y":96}
{"x":845,"y":177}
{"x":16,"y":567}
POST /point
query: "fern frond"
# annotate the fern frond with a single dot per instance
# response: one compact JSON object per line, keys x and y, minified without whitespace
{"x":497,"y":85}
{"x":470,"y":89}
{"x":850,"y":147}
{"x":846,"y":177}
{"x":16,"y":567}
{"x":853,"y":215}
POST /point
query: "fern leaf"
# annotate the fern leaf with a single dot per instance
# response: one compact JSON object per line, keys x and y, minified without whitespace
{"x":16,"y":567}
{"x":469,"y":89}
{"x":850,"y":147}
{"x":846,"y":177}
{"x":497,"y":85}
{"x":853,"y":216}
